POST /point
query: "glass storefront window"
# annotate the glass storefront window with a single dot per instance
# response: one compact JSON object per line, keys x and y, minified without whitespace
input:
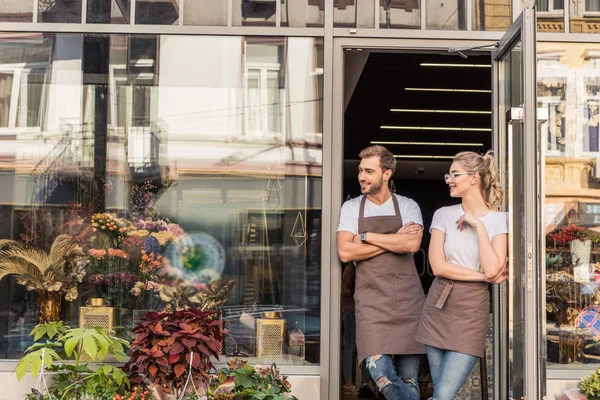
{"x":254,"y":12}
{"x":108,"y":11}
{"x":17,"y":11}
{"x":402,"y":14}
{"x":303,"y":13}
{"x":569,"y":89}
{"x":584,"y":16}
{"x":446,"y":15}
{"x":175,"y":173}
{"x":495,"y":15}
{"x":550,"y":15}
{"x":157,"y":12}
{"x":205,"y":12}
{"x":353,"y":13}
{"x":65,"y":11}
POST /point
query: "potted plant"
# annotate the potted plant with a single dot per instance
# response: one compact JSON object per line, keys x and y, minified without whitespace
{"x":51,"y":274}
{"x":66,"y":352}
{"x":170,"y":346}
{"x":243,"y":382}
{"x":589,"y":388}
{"x":578,"y":238}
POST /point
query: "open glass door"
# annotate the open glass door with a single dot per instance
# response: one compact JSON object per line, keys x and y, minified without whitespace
{"x":518,"y":350}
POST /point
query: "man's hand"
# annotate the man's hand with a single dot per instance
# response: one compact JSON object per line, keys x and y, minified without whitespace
{"x":411,"y":229}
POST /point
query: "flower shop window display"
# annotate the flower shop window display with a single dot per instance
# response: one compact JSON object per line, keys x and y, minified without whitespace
{"x":572,"y":288}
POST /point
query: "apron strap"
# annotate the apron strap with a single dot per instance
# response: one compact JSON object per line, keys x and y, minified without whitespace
{"x":396,"y":206}
{"x":445,"y":293}
{"x":361,"y":211}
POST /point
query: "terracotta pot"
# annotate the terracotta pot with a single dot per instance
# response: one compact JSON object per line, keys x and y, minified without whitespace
{"x":47,"y":306}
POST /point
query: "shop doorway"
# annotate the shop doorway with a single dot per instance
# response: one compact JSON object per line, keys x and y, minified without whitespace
{"x":409,"y":105}
{"x":424,"y":107}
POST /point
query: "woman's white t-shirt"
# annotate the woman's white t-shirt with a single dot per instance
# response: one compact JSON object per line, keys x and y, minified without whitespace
{"x":461,"y":247}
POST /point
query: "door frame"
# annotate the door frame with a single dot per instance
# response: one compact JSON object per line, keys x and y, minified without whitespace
{"x":331,"y":372}
{"x":523,"y":31}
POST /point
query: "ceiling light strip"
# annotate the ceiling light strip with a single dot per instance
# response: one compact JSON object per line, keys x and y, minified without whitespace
{"x":456,"y":65}
{"x":448,"y":90}
{"x":440,"y":111}
{"x":423,"y":156}
{"x":434,"y":128}
{"x":429,"y":144}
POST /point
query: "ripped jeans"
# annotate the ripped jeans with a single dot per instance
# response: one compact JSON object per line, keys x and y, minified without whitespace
{"x":397,"y":378}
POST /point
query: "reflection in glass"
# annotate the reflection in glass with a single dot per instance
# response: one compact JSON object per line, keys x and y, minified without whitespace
{"x":569,"y":89}
{"x":254,"y":12}
{"x":353,"y":14}
{"x":448,"y":15}
{"x":157,"y":12}
{"x":65,"y":11}
{"x":108,"y":11}
{"x":550,"y":15}
{"x":205,"y":12}
{"x":491,"y":16}
{"x":173,"y":171}
{"x":16,"y":11}
{"x":302,"y":13}
{"x":403,"y":14}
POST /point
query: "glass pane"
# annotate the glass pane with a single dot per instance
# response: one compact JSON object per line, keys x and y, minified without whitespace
{"x":157,"y":12}
{"x":511,"y":138}
{"x":442,"y":14}
{"x":205,"y":12}
{"x":108,"y":11}
{"x":16,"y":11}
{"x":493,"y":15}
{"x":584,"y":16}
{"x":354,"y":13}
{"x":254,"y":12}
{"x":213,"y":164}
{"x":550,"y":15}
{"x":569,"y":89}
{"x":406,"y":14}
{"x":302,"y":13}
{"x":65,"y":11}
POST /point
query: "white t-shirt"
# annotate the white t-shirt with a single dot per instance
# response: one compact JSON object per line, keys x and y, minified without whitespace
{"x":409,"y":211}
{"x":461,"y":247}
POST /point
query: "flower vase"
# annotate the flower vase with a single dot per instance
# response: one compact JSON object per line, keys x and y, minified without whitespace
{"x":47,"y":306}
{"x":580,"y":251}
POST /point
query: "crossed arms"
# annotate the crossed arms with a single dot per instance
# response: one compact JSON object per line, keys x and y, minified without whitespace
{"x":406,"y":240}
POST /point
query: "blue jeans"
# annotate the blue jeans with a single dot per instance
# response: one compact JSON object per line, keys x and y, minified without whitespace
{"x":449,"y":371}
{"x":397,"y":378}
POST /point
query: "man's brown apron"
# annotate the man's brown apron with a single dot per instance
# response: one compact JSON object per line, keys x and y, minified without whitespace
{"x":455,"y":316}
{"x":388,"y":295}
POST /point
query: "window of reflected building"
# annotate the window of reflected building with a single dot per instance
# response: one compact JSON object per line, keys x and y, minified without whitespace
{"x":568,"y":88}
{"x":170,"y":170}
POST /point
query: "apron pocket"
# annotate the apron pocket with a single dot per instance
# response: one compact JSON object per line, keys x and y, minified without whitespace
{"x":367,"y":303}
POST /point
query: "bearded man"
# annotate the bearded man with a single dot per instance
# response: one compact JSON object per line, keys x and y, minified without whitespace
{"x":379,"y":231}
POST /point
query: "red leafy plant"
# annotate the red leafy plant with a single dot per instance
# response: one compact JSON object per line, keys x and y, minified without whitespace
{"x":570,"y":232}
{"x":161,"y":351}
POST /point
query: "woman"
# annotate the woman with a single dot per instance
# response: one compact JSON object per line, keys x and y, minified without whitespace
{"x":467,"y":251}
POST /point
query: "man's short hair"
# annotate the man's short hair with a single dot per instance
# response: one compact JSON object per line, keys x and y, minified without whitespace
{"x":386,"y":158}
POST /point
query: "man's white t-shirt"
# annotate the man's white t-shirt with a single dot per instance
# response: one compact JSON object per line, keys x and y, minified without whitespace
{"x":461,"y":247}
{"x":409,"y":211}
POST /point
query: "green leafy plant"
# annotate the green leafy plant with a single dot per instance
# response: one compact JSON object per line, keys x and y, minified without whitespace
{"x":65,"y":352}
{"x":161,"y":353}
{"x":590,"y":385}
{"x":241,"y":381}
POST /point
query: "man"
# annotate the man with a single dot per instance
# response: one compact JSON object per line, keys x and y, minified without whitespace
{"x":379,"y":231}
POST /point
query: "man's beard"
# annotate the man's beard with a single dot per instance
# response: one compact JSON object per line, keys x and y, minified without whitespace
{"x":374,"y":188}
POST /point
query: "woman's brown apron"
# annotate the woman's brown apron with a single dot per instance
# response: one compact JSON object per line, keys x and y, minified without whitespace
{"x":455,"y":316}
{"x":388,"y":296}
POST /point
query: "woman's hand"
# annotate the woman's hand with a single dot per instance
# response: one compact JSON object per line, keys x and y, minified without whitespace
{"x":469,"y":220}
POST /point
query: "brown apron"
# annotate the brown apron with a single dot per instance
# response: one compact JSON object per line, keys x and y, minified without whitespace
{"x":455,"y":316}
{"x":388,"y":295}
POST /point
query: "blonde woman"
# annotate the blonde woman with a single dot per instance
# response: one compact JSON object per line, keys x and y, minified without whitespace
{"x":467,"y":251}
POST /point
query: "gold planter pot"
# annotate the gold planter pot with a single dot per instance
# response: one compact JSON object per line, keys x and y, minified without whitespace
{"x":97,"y":313}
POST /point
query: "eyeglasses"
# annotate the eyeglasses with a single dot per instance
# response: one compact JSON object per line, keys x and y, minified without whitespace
{"x":452,"y":175}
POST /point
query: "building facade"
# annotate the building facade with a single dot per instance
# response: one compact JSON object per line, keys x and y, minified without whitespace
{"x":226,"y":118}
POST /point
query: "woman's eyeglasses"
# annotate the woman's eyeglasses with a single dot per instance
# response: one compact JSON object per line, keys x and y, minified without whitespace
{"x":452,"y":175}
